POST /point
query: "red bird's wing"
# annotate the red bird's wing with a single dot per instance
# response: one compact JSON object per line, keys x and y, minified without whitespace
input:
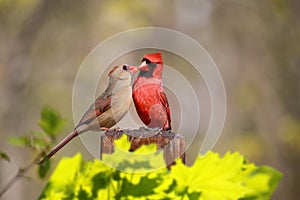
{"x":164,"y":101}
{"x":102,"y":104}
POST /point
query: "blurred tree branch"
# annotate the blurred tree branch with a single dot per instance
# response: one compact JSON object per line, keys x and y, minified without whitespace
{"x":18,"y":64}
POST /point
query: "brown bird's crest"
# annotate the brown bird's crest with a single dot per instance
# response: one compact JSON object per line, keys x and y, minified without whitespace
{"x":112,"y":71}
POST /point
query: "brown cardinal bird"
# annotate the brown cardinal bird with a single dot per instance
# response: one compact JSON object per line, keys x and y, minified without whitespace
{"x":148,"y":94}
{"x":108,"y":109}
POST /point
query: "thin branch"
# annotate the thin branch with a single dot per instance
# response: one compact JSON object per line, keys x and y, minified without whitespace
{"x":21,"y":173}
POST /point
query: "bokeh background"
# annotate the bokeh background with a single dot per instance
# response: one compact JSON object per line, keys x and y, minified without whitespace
{"x":254,"y":43}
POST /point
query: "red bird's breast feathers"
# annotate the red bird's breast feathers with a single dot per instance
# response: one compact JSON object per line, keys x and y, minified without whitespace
{"x":152,"y":106}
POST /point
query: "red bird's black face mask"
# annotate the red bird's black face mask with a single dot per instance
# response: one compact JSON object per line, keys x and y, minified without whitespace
{"x":147,"y":70}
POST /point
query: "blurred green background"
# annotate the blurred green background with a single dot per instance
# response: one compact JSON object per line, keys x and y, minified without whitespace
{"x":254,"y":43}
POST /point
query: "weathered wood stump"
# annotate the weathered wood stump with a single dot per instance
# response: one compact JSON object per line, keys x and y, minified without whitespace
{"x":172,"y":144}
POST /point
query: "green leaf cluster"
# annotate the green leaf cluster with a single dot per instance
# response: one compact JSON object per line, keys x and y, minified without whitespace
{"x":51,"y":124}
{"x":211,"y":177}
{"x":51,"y":121}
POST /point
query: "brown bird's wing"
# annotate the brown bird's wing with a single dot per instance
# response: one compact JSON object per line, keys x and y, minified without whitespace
{"x":102,"y":104}
{"x":164,"y":101}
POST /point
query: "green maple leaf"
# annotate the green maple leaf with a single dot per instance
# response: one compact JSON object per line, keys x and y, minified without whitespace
{"x":211,"y":176}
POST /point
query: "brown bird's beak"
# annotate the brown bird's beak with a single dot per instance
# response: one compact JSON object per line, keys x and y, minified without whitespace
{"x":133,"y":69}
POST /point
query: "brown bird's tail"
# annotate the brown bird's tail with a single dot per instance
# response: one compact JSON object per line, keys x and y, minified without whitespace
{"x":60,"y":145}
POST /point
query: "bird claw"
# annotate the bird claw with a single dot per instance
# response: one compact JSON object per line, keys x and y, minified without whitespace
{"x":104,"y":129}
{"x":118,"y":129}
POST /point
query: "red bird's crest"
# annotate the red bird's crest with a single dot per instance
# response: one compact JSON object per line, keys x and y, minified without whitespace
{"x":154,"y":57}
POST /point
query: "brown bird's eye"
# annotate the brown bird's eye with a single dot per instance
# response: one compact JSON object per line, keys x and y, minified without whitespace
{"x":125,"y":67}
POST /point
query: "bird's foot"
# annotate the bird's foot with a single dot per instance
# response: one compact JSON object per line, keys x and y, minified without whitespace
{"x":104,"y":129}
{"x":158,"y":130}
{"x":118,"y":129}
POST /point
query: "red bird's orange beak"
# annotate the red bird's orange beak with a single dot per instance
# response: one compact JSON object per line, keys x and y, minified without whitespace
{"x":133,"y":69}
{"x":144,"y":66}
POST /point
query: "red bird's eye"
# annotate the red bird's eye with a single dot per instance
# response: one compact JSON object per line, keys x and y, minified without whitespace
{"x":147,"y":60}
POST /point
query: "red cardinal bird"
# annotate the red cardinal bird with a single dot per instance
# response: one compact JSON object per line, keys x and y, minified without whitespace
{"x":108,"y":109}
{"x":148,"y":94}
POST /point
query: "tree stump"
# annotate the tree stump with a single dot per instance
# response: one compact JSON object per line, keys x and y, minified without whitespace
{"x":173,"y":144}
